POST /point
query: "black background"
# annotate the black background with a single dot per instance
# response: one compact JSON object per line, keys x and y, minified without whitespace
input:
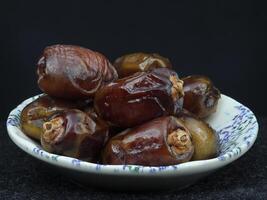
{"x":224,"y":40}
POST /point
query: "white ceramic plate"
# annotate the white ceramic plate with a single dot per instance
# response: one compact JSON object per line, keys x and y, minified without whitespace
{"x":235,"y":124}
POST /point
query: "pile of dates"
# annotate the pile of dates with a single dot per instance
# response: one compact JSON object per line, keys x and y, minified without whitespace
{"x":134,"y":111}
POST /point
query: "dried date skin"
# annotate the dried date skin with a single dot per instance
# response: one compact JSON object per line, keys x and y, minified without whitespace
{"x":204,"y":138}
{"x":200,"y":95}
{"x":90,"y":111}
{"x":113,"y":130}
{"x":185,"y":113}
{"x":74,"y":133}
{"x":139,"y":98}
{"x":37,"y":112}
{"x":73,"y":72}
{"x":138,"y":62}
{"x":162,"y":141}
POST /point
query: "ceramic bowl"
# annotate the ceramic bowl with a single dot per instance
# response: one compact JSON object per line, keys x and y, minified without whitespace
{"x":235,"y":124}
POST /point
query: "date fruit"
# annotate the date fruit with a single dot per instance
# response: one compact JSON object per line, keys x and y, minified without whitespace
{"x":138,"y":62}
{"x":74,"y":133}
{"x":36,"y":113}
{"x":200,"y":95}
{"x":139,"y":98}
{"x":73,"y":72}
{"x":162,"y":141}
{"x":204,"y":138}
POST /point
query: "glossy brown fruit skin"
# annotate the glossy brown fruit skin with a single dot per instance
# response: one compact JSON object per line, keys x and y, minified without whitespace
{"x":147,"y":145}
{"x":139,"y":98}
{"x":73,"y":72}
{"x":139,"y":62}
{"x":185,"y":113}
{"x":113,"y":130}
{"x":200,"y":95}
{"x":90,"y":111}
{"x":78,"y":135}
{"x":36,"y":113}
{"x":204,"y":138}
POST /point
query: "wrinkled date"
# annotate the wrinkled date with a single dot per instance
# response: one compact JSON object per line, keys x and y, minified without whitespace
{"x":200,"y":95}
{"x":162,"y":141}
{"x":36,"y":113}
{"x":204,"y":138}
{"x":138,"y":62}
{"x":139,"y":98}
{"x":73,"y":72}
{"x":74,"y":133}
{"x":90,"y":111}
{"x":113,"y":130}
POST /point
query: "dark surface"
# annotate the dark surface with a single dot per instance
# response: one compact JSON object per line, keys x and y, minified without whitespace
{"x":23,"y":177}
{"x":225,"y":40}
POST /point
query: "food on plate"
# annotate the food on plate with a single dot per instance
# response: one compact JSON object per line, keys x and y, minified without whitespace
{"x":113,"y":130}
{"x":139,"y":98}
{"x":138,"y":112}
{"x":37,"y":112}
{"x":162,"y":141}
{"x":73,"y":72}
{"x":200,"y":95}
{"x":205,"y":139}
{"x":139,"y":62}
{"x":74,"y":133}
